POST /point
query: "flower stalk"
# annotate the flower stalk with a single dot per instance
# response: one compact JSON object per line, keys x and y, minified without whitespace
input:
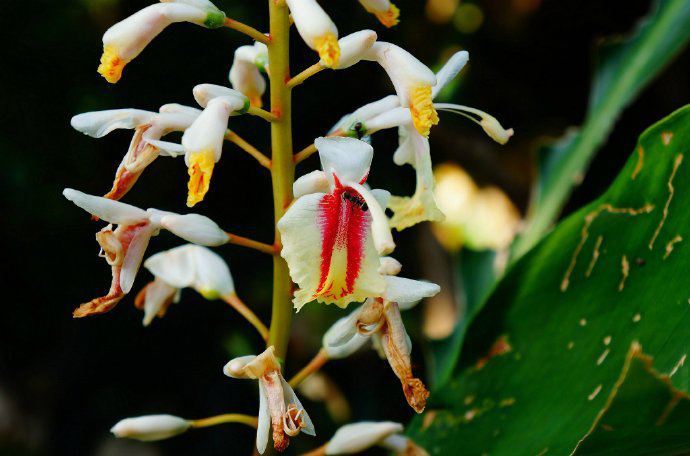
{"x":251,"y":244}
{"x":304,"y":75}
{"x":314,"y":365}
{"x":236,"y":303}
{"x":226,"y":418}
{"x":247,"y":30}
{"x":282,"y":168}
{"x":251,"y":150}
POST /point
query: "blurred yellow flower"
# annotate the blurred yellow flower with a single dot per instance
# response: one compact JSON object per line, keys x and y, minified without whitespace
{"x":478,"y":218}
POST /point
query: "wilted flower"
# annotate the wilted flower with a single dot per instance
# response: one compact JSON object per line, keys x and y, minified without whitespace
{"x":245,"y":75}
{"x":380,"y":317}
{"x":316,"y":29}
{"x":279,"y":408}
{"x":332,"y":232}
{"x":146,"y":146}
{"x":125,"y":40}
{"x":384,"y":10}
{"x":187,"y":266}
{"x":358,"y":437}
{"x":203,"y":140}
{"x":150,"y":427}
{"x":124,"y":247}
{"x":477,"y":218}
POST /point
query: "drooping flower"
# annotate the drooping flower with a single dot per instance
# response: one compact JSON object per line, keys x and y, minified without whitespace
{"x":149,"y":428}
{"x":245,"y":75}
{"x":385,"y":11}
{"x":124,"y":247}
{"x":186,"y":266}
{"x":358,"y":437}
{"x":279,"y":407}
{"x":127,"y":39}
{"x":333,"y":233}
{"x":203,"y":140}
{"x":379,"y":317}
{"x":145,"y":147}
{"x":414,"y":148}
{"x":316,"y":29}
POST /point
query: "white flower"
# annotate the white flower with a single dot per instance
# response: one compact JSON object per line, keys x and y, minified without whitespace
{"x":203,"y":140}
{"x":379,"y":317}
{"x":384,"y":10}
{"x":187,"y":266}
{"x":332,"y":232}
{"x":279,"y":407}
{"x":316,"y":29}
{"x":245,"y":76}
{"x":359,"y":437}
{"x":125,"y":40}
{"x":124,"y":247}
{"x":150,"y":427}
{"x":146,"y":145}
{"x":353,"y":48}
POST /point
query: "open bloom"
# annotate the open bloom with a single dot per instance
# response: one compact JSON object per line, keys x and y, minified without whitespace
{"x":379,"y":317}
{"x":358,"y":437}
{"x":124,"y":247}
{"x":245,"y":75}
{"x":149,"y":428}
{"x":316,"y":29}
{"x":127,"y":39}
{"x":385,"y":11}
{"x":333,"y":233}
{"x":145,"y":147}
{"x":187,"y":266}
{"x":203,"y":140}
{"x":279,"y":408}
{"x":414,"y":148}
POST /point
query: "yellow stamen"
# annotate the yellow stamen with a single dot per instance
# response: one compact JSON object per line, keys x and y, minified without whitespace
{"x":328,"y":49}
{"x":390,"y":17}
{"x":111,"y":64}
{"x":200,"y":171}
{"x":424,"y":114}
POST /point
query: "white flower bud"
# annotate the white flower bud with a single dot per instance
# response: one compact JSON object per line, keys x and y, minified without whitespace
{"x":358,"y":437}
{"x":150,"y":427}
{"x":195,"y":228}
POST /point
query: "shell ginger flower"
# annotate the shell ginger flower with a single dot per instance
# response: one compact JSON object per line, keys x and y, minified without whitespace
{"x":279,"y":408}
{"x":124,"y":247}
{"x":385,"y":11}
{"x":380,"y":318}
{"x":245,"y":75}
{"x":146,"y":145}
{"x":127,"y":39}
{"x":333,"y":233}
{"x":186,"y":266}
{"x":316,"y":29}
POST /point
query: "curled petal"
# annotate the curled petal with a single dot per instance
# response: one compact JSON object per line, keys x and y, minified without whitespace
{"x":408,"y":292}
{"x":383,"y":239}
{"x":235,"y":368}
{"x":99,"y":123}
{"x":105,"y":303}
{"x":304,"y":422}
{"x":313,"y":182}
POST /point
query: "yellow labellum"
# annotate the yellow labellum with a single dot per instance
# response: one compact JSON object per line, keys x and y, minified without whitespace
{"x":328,"y":49}
{"x":389,"y":18}
{"x":200,"y":171}
{"x":424,"y":114}
{"x":111,"y":64}
{"x":409,"y":211}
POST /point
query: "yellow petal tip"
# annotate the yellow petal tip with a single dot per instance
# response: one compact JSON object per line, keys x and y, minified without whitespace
{"x":111,"y":64}
{"x":390,"y":17}
{"x":200,"y":171}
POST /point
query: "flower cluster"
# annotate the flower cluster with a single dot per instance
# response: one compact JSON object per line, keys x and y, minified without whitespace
{"x":332,"y":229}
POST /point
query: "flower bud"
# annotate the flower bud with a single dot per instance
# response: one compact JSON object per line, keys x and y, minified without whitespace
{"x":316,"y":29}
{"x":195,"y":228}
{"x":358,"y":437}
{"x":150,"y":427}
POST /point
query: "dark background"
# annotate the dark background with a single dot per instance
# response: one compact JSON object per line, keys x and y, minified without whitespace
{"x":64,"y":383}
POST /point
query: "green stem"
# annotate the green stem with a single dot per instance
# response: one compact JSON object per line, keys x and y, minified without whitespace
{"x":282,"y":168}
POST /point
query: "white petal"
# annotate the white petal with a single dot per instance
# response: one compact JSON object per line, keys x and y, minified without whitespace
{"x":311,"y":21}
{"x":207,"y":133}
{"x":291,"y":398}
{"x":106,"y":209}
{"x":166,"y":148}
{"x":383,"y":239}
{"x":195,"y":228}
{"x":204,"y":93}
{"x":408,"y":292}
{"x":342,"y":331}
{"x":365,"y":113}
{"x":348,"y":158}
{"x":151,"y":427}
{"x":382,"y":196}
{"x":235,"y":367}
{"x":405,"y":153}
{"x":99,"y":123}
{"x":245,"y":75}
{"x":390,"y":266}
{"x":213,"y":278}
{"x":157,"y":294}
{"x":175,"y":266}
{"x":133,"y":258}
{"x":264,"y":421}
{"x":357,"y":437}
{"x":353,"y":47}
{"x":396,"y":443}
{"x":175,"y":108}
{"x":448,"y":72}
{"x":314,"y":182}
{"x":205,"y":5}
{"x":395,"y":117}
